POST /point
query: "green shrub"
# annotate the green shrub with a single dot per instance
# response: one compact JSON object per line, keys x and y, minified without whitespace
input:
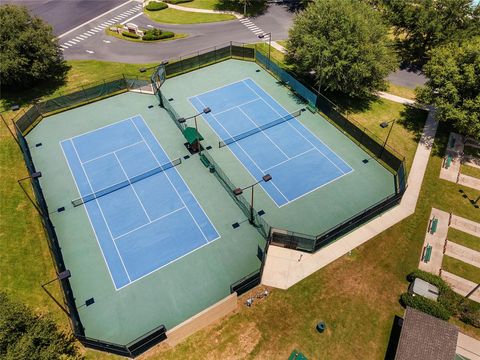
{"x":426,"y":305}
{"x":157,"y":34}
{"x":130,"y":35}
{"x":155,"y":6}
{"x":177,"y":1}
{"x":430,"y":278}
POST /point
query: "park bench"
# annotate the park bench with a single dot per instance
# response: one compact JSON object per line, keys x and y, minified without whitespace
{"x":433,"y":226}
{"x":448,"y":161}
{"x":204,"y":160}
{"x":427,"y":253}
{"x":452,"y":142}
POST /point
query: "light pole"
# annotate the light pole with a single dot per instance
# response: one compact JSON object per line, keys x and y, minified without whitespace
{"x":35,"y":175}
{"x":61,"y":276}
{"x":269,"y":44}
{"x":239,"y":191}
{"x":183,"y":120}
{"x":383,"y":125}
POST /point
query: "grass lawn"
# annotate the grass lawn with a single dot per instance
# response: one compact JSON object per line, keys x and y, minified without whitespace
{"x":201,"y":4}
{"x":121,"y":37}
{"x":357,"y":295}
{"x":172,"y":16}
{"x":274,"y":53}
{"x":461,"y":269}
{"x":401,"y":91}
{"x":470,"y":171}
{"x":282,"y":42}
{"x":462,"y":238}
{"x":406,"y":130}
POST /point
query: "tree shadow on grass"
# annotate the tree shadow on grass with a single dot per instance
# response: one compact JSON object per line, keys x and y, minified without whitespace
{"x":413,"y":119}
{"x":29,"y":95}
{"x":348,"y":104}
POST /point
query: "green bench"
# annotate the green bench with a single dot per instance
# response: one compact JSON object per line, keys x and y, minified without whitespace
{"x":296,"y":355}
{"x":452,"y":142}
{"x":448,"y":162}
{"x":433,"y":226}
{"x":204,"y":160}
{"x":427,"y":253}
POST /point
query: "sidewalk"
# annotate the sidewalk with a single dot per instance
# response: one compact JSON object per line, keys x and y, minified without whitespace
{"x":285,"y":267}
{"x":436,"y":241}
{"x":460,"y":285}
{"x":465,"y":225}
{"x":205,"y":11}
{"x":468,"y":347}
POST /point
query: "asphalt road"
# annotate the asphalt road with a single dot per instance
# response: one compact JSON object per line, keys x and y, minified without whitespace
{"x":200,"y":36}
{"x":64,"y":15}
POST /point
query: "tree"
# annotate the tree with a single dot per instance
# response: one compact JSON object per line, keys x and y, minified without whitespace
{"x":29,"y":51}
{"x":421,"y":25}
{"x":23,"y":335}
{"x":453,"y":85}
{"x":344,"y":45}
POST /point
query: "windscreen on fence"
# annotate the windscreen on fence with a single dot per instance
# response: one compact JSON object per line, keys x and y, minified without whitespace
{"x":301,"y":90}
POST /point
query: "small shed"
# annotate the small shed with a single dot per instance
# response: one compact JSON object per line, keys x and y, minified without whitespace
{"x":423,"y":288}
{"x":193,"y":137}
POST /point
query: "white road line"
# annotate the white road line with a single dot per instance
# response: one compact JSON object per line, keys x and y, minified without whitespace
{"x":74,"y":41}
{"x":87,"y":35}
{"x":90,"y":51}
{"x":83,"y":37}
{"x":257,"y":32}
{"x":64,"y":47}
{"x":89,"y":21}
{"x":133,"y":17}
{"x":111,"y":22}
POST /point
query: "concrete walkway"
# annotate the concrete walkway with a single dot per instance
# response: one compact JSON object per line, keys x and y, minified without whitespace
{"x":460,"y":285}
{"x":465,"y":225}
{"x":468,"y":347}
{"x":452,"y":172}
{"x":285,"y":267}
{"x":436,"y":241}
{"x":395,"y":98}
{"x":463,"y":253}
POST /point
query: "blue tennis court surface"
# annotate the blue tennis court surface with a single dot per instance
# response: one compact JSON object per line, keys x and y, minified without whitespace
{"x":142,"y":212}
{"x":298,"y":161}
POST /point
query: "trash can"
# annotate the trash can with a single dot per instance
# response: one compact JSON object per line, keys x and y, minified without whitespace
{"x":212,"y":168}
{"x":321,"y":327}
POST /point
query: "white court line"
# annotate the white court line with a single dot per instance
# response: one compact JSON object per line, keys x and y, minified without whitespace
{"x":291,"y":158}
{"x":102,"y":127}
{"x":88,"y":214}
{"x":264,"y":133}
{"x":174,"y":188}
{"x":134,"y":191}
{"x":234,"y":107}
{"x":151,"y":222}
{"x":112,"y":152}
{"x":241,"y":162}
{"x":103,"y":215}
{"x":293,"y":127}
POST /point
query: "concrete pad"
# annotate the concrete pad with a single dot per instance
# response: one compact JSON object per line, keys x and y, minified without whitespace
{"x":460,"y":285}
{"x":465,"y":225}
{"x":456,"y":153}
{"x":437,"y":241}
{"x":468,"y":347}
{"x":463,"y":253}
{"x":470,"y":181}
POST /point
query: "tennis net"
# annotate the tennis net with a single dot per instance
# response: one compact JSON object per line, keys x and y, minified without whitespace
{"x":125,"y":183}
{"x":259,"y":129}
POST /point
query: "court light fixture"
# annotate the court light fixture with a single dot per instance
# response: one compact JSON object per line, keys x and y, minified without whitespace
{"x":60,"y":276}
{"x":239,"y":191}
{"x":383,"y":125}
{"x":34,"y":175}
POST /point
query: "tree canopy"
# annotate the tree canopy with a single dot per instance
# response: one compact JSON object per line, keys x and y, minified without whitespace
{"x":29,"y":51}
{"x":24,"y":335}
{"x":344,"y":45}
{"x":453,"y":85}
{"x":421,"y":25}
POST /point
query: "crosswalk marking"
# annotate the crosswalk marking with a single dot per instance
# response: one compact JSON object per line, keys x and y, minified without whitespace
{"x":254,"y":28}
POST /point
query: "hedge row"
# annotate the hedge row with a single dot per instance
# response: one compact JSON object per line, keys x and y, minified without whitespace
{"x":157,"y":34}
{"x":130,"y":35}
{"x":177,"y":1}
{"x":155,"y":6}
{"x":467,"y":310}
{"x":426,"y":305}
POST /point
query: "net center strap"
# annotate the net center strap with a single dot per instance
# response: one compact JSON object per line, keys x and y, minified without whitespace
{"x":260,"y":128}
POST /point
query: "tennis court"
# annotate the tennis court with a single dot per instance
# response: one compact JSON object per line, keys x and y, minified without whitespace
{"x":142,"y":212}
{"x":267,"y":139}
